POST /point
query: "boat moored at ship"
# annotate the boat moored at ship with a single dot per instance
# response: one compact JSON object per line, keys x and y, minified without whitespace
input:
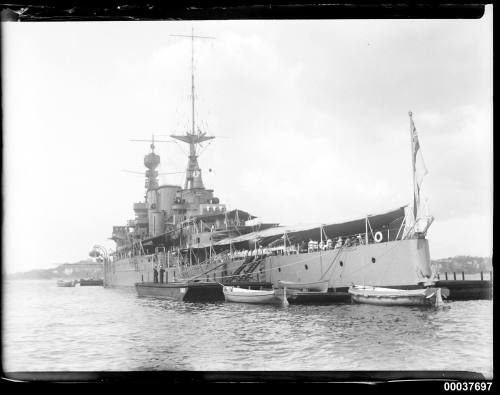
{"x":251,"y":296}
{"x":428,"y":297}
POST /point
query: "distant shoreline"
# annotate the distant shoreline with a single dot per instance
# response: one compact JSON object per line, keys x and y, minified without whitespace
{"x":69,"y":271}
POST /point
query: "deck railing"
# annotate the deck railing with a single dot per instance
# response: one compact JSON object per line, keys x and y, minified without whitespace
{"x":465,"y":276}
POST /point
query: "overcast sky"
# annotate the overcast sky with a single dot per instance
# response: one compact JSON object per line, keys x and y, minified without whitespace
{"x":312,"y":119}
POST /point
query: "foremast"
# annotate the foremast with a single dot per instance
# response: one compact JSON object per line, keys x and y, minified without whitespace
{"x":195,"y":136}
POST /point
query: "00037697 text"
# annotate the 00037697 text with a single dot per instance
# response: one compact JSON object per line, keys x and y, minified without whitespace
{"x":467,"y":386}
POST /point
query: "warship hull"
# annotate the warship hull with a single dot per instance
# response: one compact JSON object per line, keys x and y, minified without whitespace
{"x":403,"y":264}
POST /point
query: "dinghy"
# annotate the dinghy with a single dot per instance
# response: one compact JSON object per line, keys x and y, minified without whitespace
{"x":65,"y":283}
{"x":242,"y":295}
{"x":396,"y":297}
{"x":317,"y":286}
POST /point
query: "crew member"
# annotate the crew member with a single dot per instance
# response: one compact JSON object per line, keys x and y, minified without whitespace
{"x":155,"y":274}
{"x":161,"y":272}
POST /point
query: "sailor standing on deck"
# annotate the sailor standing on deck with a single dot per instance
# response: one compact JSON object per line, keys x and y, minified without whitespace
{"x":339,"y":242}
{"x":160,"y":269}
{"x":155,"y":272}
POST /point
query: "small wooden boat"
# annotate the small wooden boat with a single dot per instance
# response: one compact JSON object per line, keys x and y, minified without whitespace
{"x":65,"y":283}
{"x":242,"y":295}
{"x":396,"y":297}
{"x":317,"y":286}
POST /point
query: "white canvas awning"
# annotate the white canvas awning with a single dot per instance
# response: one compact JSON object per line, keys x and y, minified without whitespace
{"x":271,"y":232}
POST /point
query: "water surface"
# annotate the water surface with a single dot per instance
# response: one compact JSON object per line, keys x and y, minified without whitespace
{"x":48,"y":328}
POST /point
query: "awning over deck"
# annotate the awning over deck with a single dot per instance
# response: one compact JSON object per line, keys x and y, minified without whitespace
{"x":387,"y":223}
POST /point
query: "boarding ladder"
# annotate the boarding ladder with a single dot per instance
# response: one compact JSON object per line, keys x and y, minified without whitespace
{"x":247,"y":267}
{"x":247,"y":274}
{"x":240,"y":268}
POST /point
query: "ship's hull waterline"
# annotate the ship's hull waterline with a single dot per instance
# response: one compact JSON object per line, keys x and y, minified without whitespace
{"x":399,"y":264}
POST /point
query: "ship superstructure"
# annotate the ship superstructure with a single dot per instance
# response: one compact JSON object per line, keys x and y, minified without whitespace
{"x":175,"y":218}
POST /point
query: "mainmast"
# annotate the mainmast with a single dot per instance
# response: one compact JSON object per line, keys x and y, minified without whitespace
{"x":192,"y":80}
{"x":195,"y":137}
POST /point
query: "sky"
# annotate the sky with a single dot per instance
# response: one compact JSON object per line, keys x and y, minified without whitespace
{"x":310,"y":118}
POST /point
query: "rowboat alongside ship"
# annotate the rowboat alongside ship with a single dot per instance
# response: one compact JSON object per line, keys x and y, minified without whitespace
{"x":380,"y":296}
{"x":254,"y":296}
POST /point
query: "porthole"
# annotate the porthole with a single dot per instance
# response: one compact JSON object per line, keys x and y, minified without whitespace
{"x":341,"y":263}
{"x":373,"y":260}
{"x":306,"y":267}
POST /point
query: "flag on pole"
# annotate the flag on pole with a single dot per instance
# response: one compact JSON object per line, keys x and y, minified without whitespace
{"x":419,"y":169}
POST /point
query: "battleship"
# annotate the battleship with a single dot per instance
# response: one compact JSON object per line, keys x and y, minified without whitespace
{"x":183,"y":233}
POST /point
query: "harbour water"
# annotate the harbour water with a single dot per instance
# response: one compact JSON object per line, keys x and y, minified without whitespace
{"x":46,"y":328}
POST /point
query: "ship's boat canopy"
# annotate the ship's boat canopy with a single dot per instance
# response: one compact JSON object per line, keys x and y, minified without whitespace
{"x":390,"y":221}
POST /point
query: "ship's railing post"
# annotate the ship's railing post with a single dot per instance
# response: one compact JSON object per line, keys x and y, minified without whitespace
{"x":454,"y":275}
{"x":463,"y":275}
{"x":481,"y":276}
{"x":446,"y":275}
